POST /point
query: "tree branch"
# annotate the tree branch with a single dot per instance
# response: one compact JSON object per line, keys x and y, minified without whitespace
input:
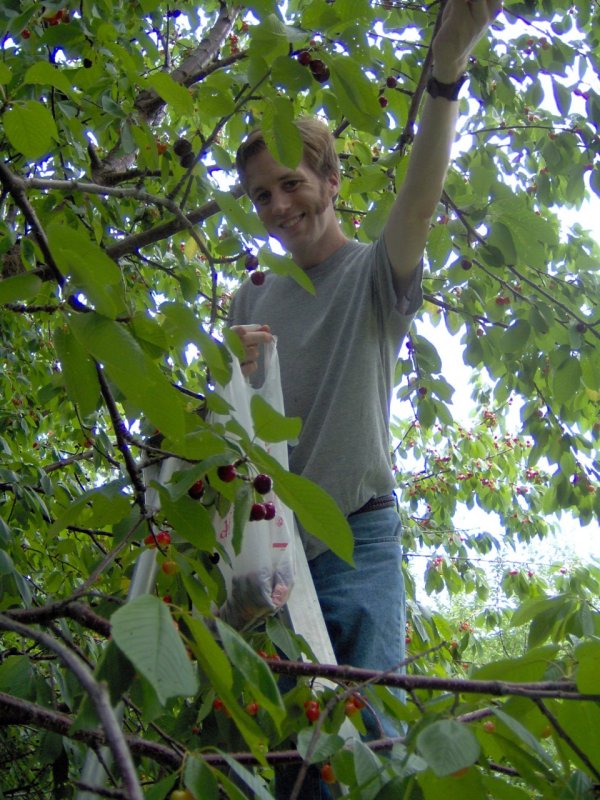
{"x":194,"y":68}
{"x":14,"y":186}
{"x":558,"y":689}
{"x":78,"y":612}
{"x":99,"y":696}
{"x":133,"y":243}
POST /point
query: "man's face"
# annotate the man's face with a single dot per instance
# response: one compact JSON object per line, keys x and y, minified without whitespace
{"x":295,"y":206}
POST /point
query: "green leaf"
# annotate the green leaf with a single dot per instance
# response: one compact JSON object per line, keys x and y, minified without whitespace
{"x":19,"y":287}
{"x":143,"y":630}
{"x":283,"y":265}
{"x":44,"y":73}
{"x":236,"y":214}
{"x":448,"y":746}
{"x":515,"y":338}
{"x":250,"y":779}
{"x":255,"y":671}
{"x":140,"y":380}
{"x":173,"y":93}
{"x":567,"y":381}
{"x":198,"y":777}
{"x":95,"y":508}
{"x":5,"y":74}
{"x":30,"y":128}
{"x":501,"y":238}
{"x":327,"y":744}
{"x":281,"y":135}
{"x":190,"y":519}
{"x":89,"y":268}
{"x":530,"y":667}
{"x":214,"y":663}
{"x":270,"y":425}
{"x":16,"y":676}
{"x":587,"y":655}
{"x":355,"y":94}
{"x":287,"y":72}
{"x":316,"y":510}
{"x":158,"y":791}
{"x":79,"y":372}
{"x":562,"y":97}
{"x":270,"y":39}
{"x":526,"y":737}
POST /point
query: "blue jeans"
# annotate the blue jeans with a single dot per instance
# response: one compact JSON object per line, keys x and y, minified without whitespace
{"x":365,"y":612}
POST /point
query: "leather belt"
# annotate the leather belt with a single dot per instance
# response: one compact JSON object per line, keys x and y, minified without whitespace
{"x":375,"y":503}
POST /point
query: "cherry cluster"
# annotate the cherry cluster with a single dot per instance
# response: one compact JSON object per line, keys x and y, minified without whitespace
{"x":183,"y":149}
{"x":318,"y":68}
{"x":261,"y":483}
{"x":256,"y":276}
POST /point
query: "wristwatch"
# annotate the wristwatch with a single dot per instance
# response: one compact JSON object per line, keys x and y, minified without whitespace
{"x":448,"y":90}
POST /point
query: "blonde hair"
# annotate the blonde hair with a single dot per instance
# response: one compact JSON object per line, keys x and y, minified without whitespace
{"x":319,"y":149}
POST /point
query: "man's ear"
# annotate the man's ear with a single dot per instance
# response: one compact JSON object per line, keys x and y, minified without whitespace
{"x":333,"y":182}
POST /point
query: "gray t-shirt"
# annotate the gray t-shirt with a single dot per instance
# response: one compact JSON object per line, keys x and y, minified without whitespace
{"x":337,"y":352}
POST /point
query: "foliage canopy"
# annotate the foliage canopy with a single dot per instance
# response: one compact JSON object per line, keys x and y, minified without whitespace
{"x":120,"y":247}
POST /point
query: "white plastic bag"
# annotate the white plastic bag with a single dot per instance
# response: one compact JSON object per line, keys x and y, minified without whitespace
{"x":260,"y":577}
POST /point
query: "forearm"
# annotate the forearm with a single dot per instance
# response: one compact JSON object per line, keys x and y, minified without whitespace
{"x":429,"y":159}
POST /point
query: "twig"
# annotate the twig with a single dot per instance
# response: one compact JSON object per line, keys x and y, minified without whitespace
{"x":122,"y":436}
{"x":566,"y":738}
{"x":14,"y":186}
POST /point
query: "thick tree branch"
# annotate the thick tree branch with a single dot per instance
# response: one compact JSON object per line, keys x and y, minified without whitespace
{"x":194,"y":68}
{"x":563,"y":690}
{"x":136,"y":241}
{"x":78,"y":612}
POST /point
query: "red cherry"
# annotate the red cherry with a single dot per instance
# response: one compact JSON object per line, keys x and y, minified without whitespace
{"x":270,"y":511}
{"x":217,"y":704}
{"x":263,"y":484}
{"x":391,"y":82}
{"x":350,"y":708}
{"x":227,"y":473}
{"x":252,"y":709}
{"x":319,"y":69}
{"x":383,"y":101}
{"x":257,"y":278}
{"x":312,"y":711}
{"x":25,"y":33}
{"x":167,"y":598}
{"x":304,"y":58}
{"x":196,"y":490}
{"x":258,"y":512}
{"x":164,"y":538}
{"x":169,"y":567}
{"x":327,"y":774}
{"x":150,"y":541}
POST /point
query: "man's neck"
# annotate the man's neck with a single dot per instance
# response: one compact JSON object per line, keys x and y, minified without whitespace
{"x":318,"y":253}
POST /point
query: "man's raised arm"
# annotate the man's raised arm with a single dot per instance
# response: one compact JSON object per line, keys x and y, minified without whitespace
{"x":464,"y":22}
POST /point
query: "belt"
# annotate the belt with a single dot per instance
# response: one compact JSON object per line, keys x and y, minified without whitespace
{"x":375,"y":503}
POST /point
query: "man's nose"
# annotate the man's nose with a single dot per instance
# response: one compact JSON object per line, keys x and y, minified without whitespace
{"x":280,"y":202}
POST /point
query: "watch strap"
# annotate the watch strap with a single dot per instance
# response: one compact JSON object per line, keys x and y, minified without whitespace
{"x":449,"y":91}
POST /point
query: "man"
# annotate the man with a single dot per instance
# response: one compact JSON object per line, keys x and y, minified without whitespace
{"x":339,"y":347}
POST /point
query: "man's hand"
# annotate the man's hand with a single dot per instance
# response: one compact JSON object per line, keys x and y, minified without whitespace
{"x":252,"y":338}
{"x":463,"y":24}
